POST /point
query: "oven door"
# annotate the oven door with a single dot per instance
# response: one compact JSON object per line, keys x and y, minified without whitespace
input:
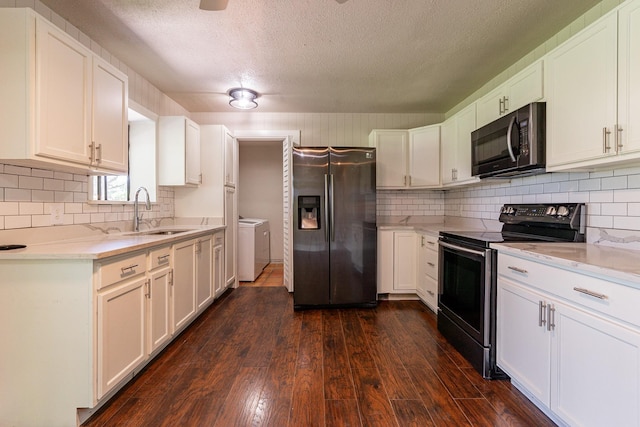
{"x":465,"y":288}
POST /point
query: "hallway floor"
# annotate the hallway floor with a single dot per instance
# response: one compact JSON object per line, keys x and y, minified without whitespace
{"x":272,"y":275}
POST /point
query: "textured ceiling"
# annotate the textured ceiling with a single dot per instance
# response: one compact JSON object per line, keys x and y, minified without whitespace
{"x":400,"y":56}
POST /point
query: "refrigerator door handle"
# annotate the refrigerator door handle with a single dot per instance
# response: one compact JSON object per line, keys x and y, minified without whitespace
{"x":332,"y":209}
{"x":326,"y":207}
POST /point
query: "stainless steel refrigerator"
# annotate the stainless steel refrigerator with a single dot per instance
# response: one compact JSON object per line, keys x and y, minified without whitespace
{"x":334,"y":232}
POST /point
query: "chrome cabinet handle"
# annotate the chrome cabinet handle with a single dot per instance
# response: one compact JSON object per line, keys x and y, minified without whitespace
{"x":618,"y":131}
{"x":92,"y":151}
{"x":163,"y":258}
{"x":590,"y":293}
{"x":541,"y":308}
{"x":501,"y":106}
{"x":128,"y":270}
{"x":432,"y":265}
{"x":431,"y":293}
{"x":422,"y":241}
{"x":505,"y":103}
{"x":98,"y":150}
{"x":551,"y":317}
{"x":605,"y":139}
{"x":519,"y":270}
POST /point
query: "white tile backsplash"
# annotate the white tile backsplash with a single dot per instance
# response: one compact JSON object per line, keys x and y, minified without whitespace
{"x":29,"y":193}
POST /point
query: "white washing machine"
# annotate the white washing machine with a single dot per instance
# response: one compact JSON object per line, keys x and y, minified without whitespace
{"x":253,"y":248}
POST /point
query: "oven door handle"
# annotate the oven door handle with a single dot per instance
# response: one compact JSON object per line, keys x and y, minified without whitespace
{"x":461,"y":249}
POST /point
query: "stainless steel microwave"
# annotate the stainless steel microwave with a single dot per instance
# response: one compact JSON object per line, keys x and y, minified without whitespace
{"x":512,"y":145}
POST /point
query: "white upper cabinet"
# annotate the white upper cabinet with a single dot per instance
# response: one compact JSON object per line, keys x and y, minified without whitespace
{"x":391,"y":157}
{"x":230,"y":159}
{"x":456,"y":147}
{"x":178,"y":151}
{"x":407,"y":159}
{"x":424,"y":156}
{"x":61,"y":106}
{"x":109,"y":117}
{"x":593,"y":94}
{"x":520,"y":90}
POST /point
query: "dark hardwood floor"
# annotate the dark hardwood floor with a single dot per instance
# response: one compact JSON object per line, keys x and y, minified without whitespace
{"x":250,"y":360}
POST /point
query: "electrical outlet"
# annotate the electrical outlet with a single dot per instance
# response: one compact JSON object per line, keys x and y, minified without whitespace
{"x":57,"y":213}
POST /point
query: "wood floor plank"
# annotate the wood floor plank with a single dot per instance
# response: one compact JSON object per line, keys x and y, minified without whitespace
{"x":393,"y":372}
{"x":411,"y":413}
{"x":508,"y":402}
{"x":243,"y":400}
{"x":338,"y":380}
{"x":372,"y":397}
{"x":307,"y":408}
{"x":342,"y":413}
{"x":481,"y":413}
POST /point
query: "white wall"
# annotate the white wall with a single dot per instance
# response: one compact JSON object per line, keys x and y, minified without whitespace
{"x":260,"y":188}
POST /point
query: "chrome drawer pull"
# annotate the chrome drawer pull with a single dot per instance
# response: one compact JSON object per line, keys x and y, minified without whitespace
{"x":431,"y":264}
{"x":519,"y":270}
{"x":431,"y":293}
{"x":590,"y":293}
{"x":163,"y":258}
{"x":130,"y":268}
{"x":541,"y":309}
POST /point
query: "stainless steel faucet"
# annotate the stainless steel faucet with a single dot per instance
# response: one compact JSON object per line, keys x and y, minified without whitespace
{"x":137,"y":218}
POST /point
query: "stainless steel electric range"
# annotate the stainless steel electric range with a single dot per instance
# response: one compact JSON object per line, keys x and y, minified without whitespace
{"x":467,"y":274}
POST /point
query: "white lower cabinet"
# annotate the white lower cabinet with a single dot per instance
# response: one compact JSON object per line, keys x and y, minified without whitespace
{"x":159,"y":299}
{"x":183,"y":302}
{"x":121,"y":287}
{"x":219,"y":283}
{"x":203,"y":273}
{"x":121,"y":332}
{"x":396,"y":262}
{"x":427,"y":274}
{"x":576,"y":354}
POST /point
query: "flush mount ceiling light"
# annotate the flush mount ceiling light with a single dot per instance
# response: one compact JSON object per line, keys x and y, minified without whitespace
{"x":243,"y":99}
{"x":213,"y":4}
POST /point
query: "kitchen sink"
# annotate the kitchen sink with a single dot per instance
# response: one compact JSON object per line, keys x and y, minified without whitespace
{"x":167,"y":232}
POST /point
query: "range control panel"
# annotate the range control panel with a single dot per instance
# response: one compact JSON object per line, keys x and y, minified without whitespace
{"x":569,"y":215}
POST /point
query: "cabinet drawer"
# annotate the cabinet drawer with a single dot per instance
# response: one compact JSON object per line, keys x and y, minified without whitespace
{"x":609,"y":298}
{"x":431,"y":267}
{"x":218,"y":238}
{"x":111,"y":272}
{"x":431,"y":242}
{"x":160,"y":257}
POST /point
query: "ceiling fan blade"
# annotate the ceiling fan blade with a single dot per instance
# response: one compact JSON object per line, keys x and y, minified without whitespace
{"x":213,"y":4}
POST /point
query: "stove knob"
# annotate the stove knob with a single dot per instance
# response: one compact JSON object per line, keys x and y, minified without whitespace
{"x":551,"y":210}
{"x":563,"y":211}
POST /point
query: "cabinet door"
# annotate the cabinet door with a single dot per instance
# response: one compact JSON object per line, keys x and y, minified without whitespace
{"x":391,"y":158}
{"x":448,"y":150}
{"x":204,"y":288}
{"x":629,"y":77}
{"x":192,"y":156}
{"x":109,"y":130}
{"x":159,"y":319}
{"x":63,"y":76}
{"x":404,"y":261}
{"x":230,"y":156}
{"x":524,"y":88}
{"x":218,"y":270}
{"x":581,"y":77}
{"x":230,"y":238}
{"x":184,"y":300}
{"x":491,"y":106}
{"x":465,"y":124}
{"x":595,"y":370}
{"x":424,"y":157}
{"x":121,"y":332}
{"x":421,"y":275}
{"x":385,"y":261}
{"x":523,"y":345}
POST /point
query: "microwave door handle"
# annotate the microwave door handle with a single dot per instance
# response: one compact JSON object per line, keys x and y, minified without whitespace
{"x":511,"y":124}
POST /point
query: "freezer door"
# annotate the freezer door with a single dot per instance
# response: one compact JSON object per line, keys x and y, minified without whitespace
{"x":310,"y":241}
{"x":353,"y":226}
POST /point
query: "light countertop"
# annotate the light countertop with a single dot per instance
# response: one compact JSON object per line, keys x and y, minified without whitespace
{"x":105,"y":245}
{"x":434,"y":225}
{"x":604,"y":261}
